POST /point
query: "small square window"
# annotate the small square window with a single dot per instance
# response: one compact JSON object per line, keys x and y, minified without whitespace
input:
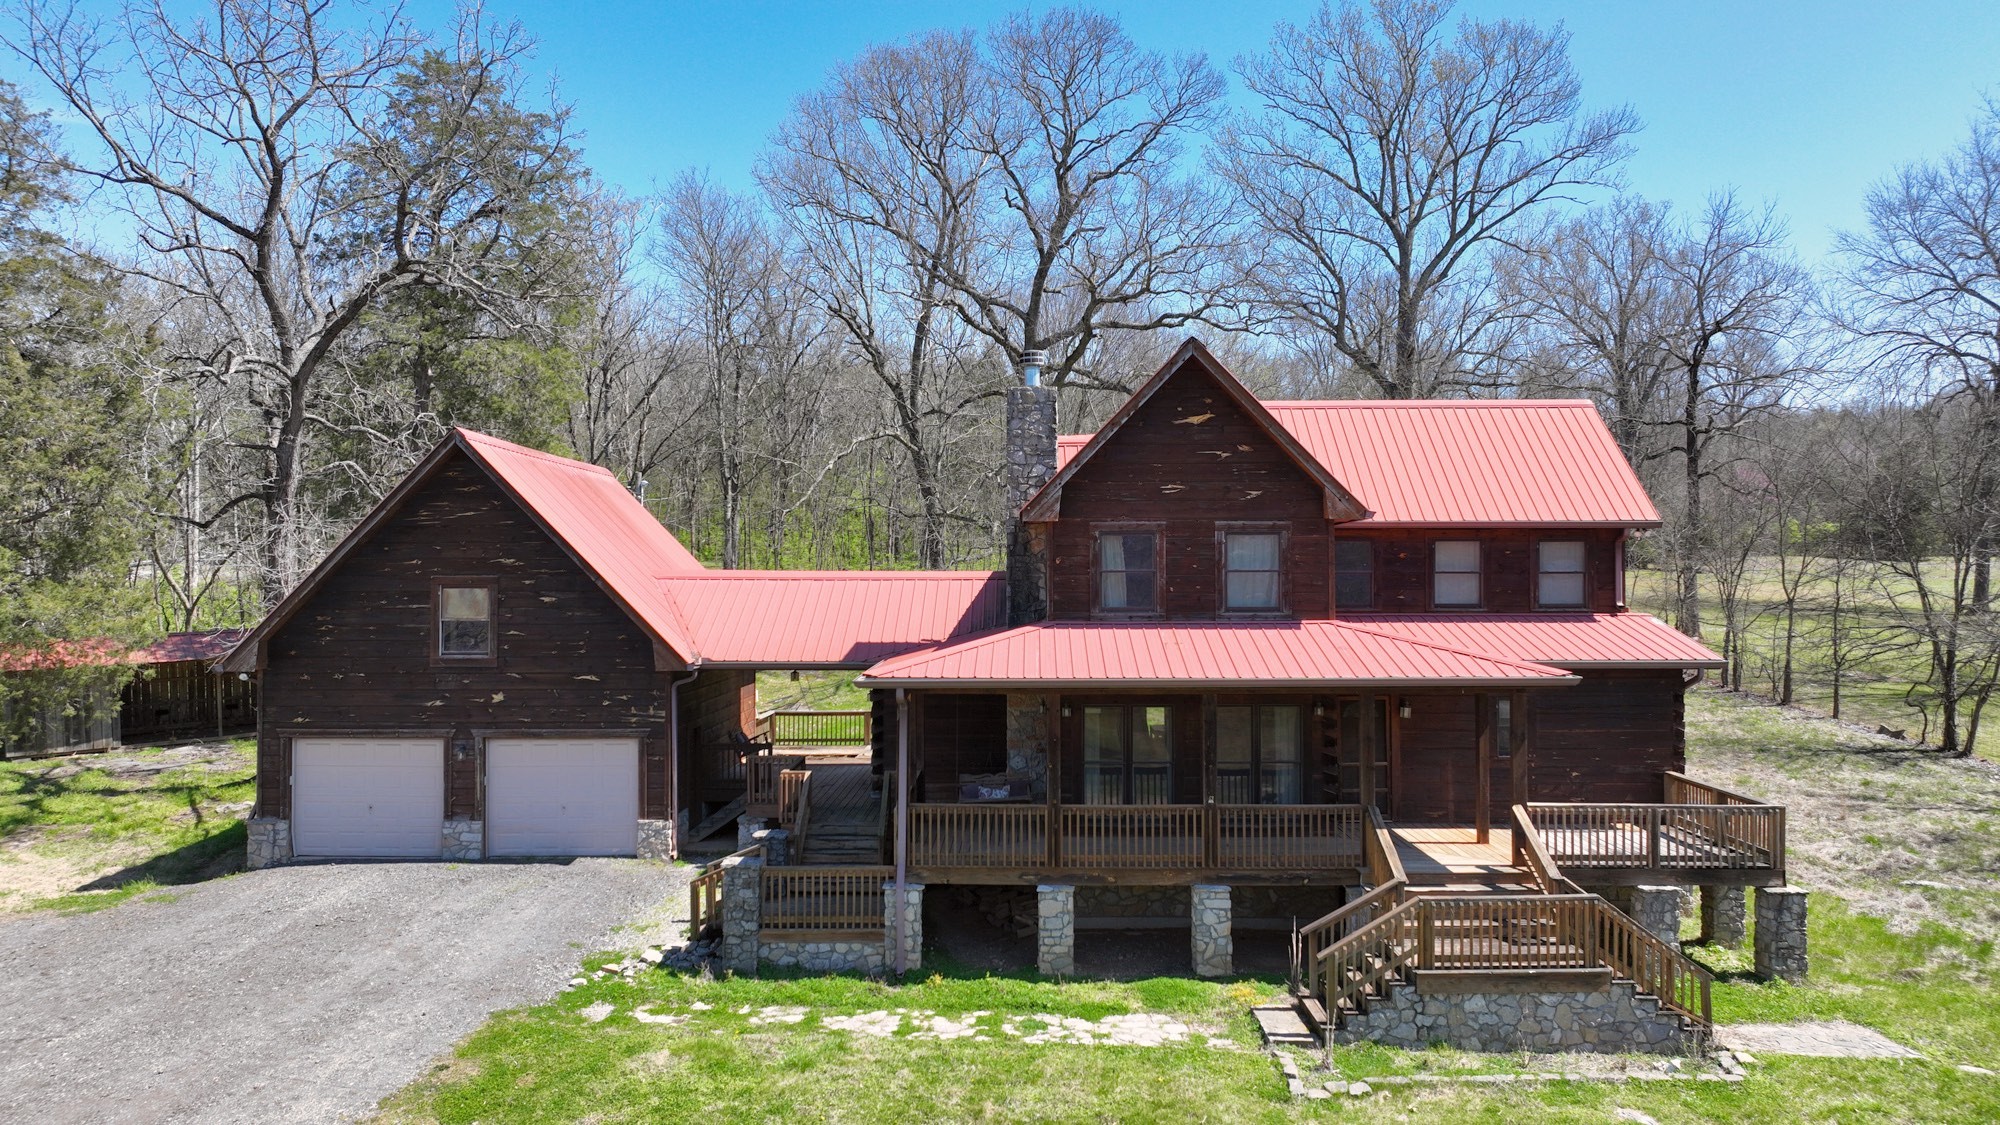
{"x":1560,"y":581}
{"x":465,"y":621}
{"x":1252,"y":569}
{"x":1456,"y":574}
{"x":1128,"y":571}
{"x":1353,"y":574}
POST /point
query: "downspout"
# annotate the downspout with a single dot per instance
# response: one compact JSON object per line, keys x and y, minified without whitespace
{"x":902,"y":829}
{"x":674,"y":759}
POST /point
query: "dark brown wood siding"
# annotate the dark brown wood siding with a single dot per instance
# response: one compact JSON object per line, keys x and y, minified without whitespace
{"x":356,"y":658}
{"x":1507,"y":560}
{"x":717,"y":708}
{"x":1608,"y":738}
{"x":1188,"y":459}
{"x":1437,"y":760}
{"x":957,"y":734}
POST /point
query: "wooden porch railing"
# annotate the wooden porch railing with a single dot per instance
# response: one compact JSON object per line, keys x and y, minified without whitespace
{"x":1532,"y":854}
{"x":1497,"y":933}
{"x":1138,"y":837}
{"x":1663,"y":837}
{"x":820,"y":728}
{"x":705,"y":892}
{"x":801,"y":899}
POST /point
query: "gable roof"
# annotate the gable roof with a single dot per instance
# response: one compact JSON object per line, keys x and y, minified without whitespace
{"x":831,"y":619}
{"x":1340,"y":504}
{"x":583,"y":507}
{"x":1185,"y":655}
{"x":1466,"y":463}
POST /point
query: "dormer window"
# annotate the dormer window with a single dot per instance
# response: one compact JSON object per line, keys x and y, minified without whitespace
{"x":1455,"y":574}
{"x":1253,"y":571}
{"x":464,"y":621}
{"x":1559,"y":582}
{"x":1128,"y":571}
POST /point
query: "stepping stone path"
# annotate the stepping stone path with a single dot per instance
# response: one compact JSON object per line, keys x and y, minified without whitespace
{"x":1137,"y":1029}
{"x":1283,"y":1027}
{"x":1836,"y":1039}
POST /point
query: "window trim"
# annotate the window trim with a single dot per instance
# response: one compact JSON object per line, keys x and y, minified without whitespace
{"x":1374,"y":587}
{"x":1583,"y":595}
{"x":1127,"y":527}
{"x":1223,"y":530}
{"x":1479,"y":572}
{"x":1132,"y":707}
{"x":433,"y":626}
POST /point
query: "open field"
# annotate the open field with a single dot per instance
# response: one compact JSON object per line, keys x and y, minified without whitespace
{"x":813,"y":691}
{"x":93,"y":830}
{"x":1869,"y":815}
{"x":1872,"y":691}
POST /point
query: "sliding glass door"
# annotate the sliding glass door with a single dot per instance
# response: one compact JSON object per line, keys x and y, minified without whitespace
{"x":1127,"y":755}
{"x":1260,"y":754}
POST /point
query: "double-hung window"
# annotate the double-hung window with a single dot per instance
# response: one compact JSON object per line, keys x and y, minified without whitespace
{"x":1455,"y":574}
{"x":1128,"y":571}
{"x":1559,"y":581}
{"x":1260,"y":754}
{"x":464,"y":626}
{"x":1253,"y":571}
{"x":1128,"y":755}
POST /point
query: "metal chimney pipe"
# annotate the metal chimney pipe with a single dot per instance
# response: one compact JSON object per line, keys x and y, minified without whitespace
{"x":1032,"y":362}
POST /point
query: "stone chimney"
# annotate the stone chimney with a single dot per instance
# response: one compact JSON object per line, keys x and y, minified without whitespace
{"x":1031,"y":461}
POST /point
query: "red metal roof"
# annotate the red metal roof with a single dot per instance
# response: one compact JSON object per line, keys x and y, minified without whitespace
{"x":173,"y":647}
{"x":588,"y":510}
{"x":818,"y":618}
{"x":1479,"y":462}
{"x":1189,"y":654}
{"x":95,"y":653}
{"x":1567,"y":640}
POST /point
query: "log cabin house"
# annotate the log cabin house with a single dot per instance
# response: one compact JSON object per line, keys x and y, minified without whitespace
{"x":1365,"y":664}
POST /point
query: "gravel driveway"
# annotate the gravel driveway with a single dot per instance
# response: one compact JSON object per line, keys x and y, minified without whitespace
{"x":298,"y":993}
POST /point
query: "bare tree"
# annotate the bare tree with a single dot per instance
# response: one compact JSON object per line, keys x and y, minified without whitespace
{"x":1390,"y":156}
{"x":289,"y":170}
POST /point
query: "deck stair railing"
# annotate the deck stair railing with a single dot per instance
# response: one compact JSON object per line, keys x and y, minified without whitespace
{"x":1389,"y":891}
{"x":705,"y":892}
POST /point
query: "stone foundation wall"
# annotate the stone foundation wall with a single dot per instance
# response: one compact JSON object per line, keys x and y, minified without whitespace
{"x":1613,"y":1021}
{"x":1132,"y":902}
{"x":824,"y":956}
{"x":1302,"y":903}
{"x":269,"y":842}
{"x":464,"y":840}
{"x":656,"y":839}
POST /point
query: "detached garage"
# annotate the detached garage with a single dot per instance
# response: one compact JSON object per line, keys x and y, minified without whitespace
{"x":368,"y":797}
{"x":562,"y":796}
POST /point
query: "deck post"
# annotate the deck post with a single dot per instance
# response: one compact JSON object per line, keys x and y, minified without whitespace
{"x":1365,"y":747}
{"x":902,"y":827}
{"x":1722,"y":915}
{"x":1482,"y":724}
{"x":742,"y":913}
{"x":1517,"y":734}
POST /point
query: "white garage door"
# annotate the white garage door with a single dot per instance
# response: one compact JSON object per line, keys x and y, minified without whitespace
{"x":562,"y":796}
{"x":367,"y":796}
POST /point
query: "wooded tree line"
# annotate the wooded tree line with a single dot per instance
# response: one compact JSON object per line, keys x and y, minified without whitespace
{"x":287,"y":243}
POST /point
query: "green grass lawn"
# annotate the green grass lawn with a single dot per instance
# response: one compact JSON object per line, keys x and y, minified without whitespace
{"x":1917,"y":976}
{"x":813,"y":691}
{"x":90,"y":831}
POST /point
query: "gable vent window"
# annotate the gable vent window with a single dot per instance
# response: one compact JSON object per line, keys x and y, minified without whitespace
{"x":1456,"y":574}
{"x":1252,"y":562}
{"x":1128,"y":571}
{"x":1560,"y":584}
{"x":465,"y":621}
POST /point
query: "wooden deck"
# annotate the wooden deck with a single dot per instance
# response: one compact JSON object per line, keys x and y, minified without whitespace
{"x":1452,"y":856}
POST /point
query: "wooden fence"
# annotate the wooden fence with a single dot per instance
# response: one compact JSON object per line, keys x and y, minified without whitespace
{"x":820,"y":728}
{"x":800,"y":900}
{"x":184,"y":698}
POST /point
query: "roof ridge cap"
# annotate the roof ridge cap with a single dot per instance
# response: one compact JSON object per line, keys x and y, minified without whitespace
{"x":488,"y":441}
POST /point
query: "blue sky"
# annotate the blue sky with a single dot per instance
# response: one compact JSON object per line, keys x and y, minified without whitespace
{"x":1803,"y":104}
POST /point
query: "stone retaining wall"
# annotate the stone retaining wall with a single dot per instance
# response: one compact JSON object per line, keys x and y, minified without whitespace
{"x":824,"y":956}
{"x":1611,"y":1021}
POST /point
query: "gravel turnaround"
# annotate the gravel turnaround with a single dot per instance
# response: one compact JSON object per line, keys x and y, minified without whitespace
{"x":295,"y":994}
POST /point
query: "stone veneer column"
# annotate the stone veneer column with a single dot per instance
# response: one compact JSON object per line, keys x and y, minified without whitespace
{"x":1028,"y":740}
{"x":777,"y":846}
{"x":464,"y":840}
{"x":742,"y":913}
{"x":1055,"y":938}
{"x":913,"y":926}
{"x":656,"y":839}
{"x":1657,"y":910}
{"x":269,"y":842}
{"x":1780,"y":944}
{"x":747,"y":828}
{"x":1722,"y":915}
{"x":1213,"y":945}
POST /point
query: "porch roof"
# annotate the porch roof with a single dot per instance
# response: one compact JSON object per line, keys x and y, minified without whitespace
{"x":831,"y":619}
{"x":1566,"y":640}
{"x":1185,"y":654}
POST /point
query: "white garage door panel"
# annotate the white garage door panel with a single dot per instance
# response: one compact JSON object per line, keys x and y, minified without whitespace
{"x":562,"y":796}
{"x":368,"y":797}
